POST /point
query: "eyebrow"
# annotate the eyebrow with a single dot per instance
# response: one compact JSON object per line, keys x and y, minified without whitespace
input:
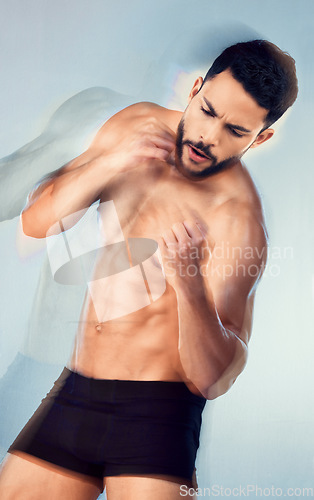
{"x":214,"y":113}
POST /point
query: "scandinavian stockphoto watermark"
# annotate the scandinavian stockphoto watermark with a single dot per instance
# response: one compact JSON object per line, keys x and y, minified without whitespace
{"x":124,"y":275}
{"x":246,"y":491}
{"x":225,"y":260}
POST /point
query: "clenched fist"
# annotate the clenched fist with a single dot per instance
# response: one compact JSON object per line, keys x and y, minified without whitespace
{"x":132,"y":137}
{"x":185,"y":252}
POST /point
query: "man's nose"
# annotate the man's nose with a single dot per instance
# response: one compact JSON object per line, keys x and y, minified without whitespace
{"x":211,"y":134}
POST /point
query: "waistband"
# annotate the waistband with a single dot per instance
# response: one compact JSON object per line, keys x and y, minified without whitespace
{"x":124,"y":389}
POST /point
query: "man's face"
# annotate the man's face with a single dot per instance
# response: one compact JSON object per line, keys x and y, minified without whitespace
{"x":221,"y":122}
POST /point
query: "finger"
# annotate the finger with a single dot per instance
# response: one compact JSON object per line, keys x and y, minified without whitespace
{"x":153,"y":153}
{"x":170,"y":238}
{"x":181,"y":232}
{"x":194,"y":229}
{"x":199,"y":234}
{"x":161,"y":142}
{"x":171,"y":157}
{"x":161,"y":244}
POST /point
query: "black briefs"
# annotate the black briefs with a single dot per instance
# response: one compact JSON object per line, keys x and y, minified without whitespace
{"x":109,"y":427}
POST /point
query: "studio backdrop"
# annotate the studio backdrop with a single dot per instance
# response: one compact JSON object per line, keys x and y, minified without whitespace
{"x":67,"y":66}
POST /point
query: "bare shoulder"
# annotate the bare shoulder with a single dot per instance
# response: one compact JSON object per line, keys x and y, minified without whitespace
{"x":144,"y":108}
{"x":154,"y":114}
{"x":149,"y":111}
{"x":241,"y":224}
{"x":239,"y":215}
{"x":239,"y":218}
{"x":131,"y":115}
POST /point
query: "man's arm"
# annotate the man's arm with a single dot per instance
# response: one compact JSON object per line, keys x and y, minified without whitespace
{"x":127,"y":139}
{"x":215,"y":302}
{"x":66,"y":192}
{"x":67,"y":134}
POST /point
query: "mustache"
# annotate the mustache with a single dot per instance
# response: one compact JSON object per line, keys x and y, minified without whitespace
{"x":200,"y":146}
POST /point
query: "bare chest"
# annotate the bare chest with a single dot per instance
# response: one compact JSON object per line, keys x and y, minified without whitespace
{"x":137,"y":208}
{"x":148,"y":202}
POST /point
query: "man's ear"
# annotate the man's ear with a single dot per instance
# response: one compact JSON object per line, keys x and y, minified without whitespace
{"x":196,"y":87}
{"x":263,"y":137}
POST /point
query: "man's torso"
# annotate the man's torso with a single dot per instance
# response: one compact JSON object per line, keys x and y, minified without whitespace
{"x":148,"y":200}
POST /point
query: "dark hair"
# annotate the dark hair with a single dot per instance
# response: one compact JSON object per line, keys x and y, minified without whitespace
{"x":265,"y":71}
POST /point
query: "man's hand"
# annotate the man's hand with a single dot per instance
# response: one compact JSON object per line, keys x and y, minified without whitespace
{"x":185,"y":252}
{"x":124,"y":142}
{"x":131,"y":138}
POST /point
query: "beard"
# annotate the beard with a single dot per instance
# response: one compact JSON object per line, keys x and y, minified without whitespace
{"x":215,"y":167}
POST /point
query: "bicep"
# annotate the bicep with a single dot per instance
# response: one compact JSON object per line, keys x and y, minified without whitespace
{"x":233,"y":274}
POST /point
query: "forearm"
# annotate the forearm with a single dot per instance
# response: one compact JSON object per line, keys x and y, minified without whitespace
{"x":68,"y":192}
{"x":20,"y":171}
{"x":206,"y":348}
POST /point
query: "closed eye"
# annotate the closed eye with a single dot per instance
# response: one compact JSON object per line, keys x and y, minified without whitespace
{"x":207,"y":111}
{"x":234,"y":132}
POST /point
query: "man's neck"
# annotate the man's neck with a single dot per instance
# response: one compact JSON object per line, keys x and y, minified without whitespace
{"x":172,"y":118}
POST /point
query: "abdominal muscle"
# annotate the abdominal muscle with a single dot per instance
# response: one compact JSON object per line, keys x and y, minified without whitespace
{"x":139,"y":346}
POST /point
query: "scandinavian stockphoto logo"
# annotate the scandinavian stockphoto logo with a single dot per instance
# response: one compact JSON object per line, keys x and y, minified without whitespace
{"x":122,"y":275}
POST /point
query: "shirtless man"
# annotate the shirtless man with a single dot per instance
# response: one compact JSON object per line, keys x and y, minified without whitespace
{"x":126,"y":413}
